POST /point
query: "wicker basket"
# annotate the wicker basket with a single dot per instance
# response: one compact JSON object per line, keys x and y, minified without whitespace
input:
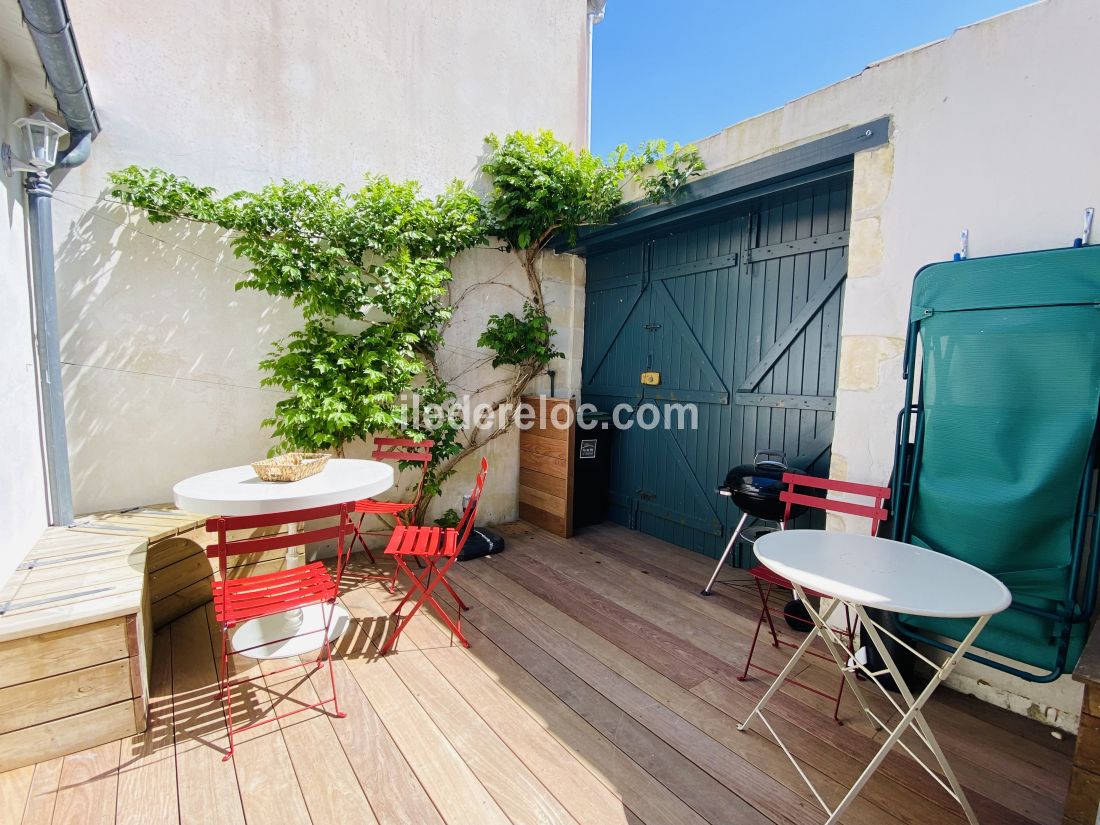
{"x":290,"y":466}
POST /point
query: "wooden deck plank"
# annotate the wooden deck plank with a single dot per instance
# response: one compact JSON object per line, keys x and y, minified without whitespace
{"x":890,"y":797}
{"x":329,"y":786}
{"x":43,"y":792}
{"x":457,"y":794}
{"x":147,"y":770}
{"x":749,"y":765}
{"x":518,"y":792}
{"x":208,"y":789}
{"x":724,"y":644}
{"x":15,"y":789}
{"x":1021,"y":800}
{"x":695,"y":786}
{"x":269,"y":789}
{"x":88,"y":790}
{"x":600,"y":688}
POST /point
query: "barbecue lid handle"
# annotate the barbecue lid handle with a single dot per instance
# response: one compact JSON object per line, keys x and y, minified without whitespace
{"x":781,"y":462}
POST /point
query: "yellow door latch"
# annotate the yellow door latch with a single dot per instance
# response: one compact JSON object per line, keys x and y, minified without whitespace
{"x":651,"y":379}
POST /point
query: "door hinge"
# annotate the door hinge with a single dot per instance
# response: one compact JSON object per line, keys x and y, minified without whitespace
{"x":646,"y":495}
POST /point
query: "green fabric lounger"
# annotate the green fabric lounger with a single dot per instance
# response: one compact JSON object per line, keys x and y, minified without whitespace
{"x":997,"y":444}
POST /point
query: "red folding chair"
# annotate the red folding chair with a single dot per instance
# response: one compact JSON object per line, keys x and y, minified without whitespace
{"x":240,"y":600}
{"x":767,"y":580}
{"x":400,"y":450}
{"x":438,"y":548}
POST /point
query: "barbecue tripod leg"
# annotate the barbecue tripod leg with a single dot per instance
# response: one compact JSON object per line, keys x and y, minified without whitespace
{"x":726,"y":553}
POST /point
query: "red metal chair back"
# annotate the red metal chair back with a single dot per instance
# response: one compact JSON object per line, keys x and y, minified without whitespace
{"x":876,"y":512}
{"x":406,"y":449}
{"x":226,"y":548}
{"x":466,"y":523}
{"x":402,"y":449}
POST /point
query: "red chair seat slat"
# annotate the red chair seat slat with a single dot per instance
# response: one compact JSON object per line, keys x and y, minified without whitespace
{"x":238,"y":600}
{"x":388,"y":508}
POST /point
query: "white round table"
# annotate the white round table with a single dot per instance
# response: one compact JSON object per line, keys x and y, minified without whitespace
{"x":237,"y":491}
{"x":860,"y":571}
{"x":883,"y":574}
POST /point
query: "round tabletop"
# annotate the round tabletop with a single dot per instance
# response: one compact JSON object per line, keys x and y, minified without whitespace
{"x":237,"y":491}
{"x":880,"y":573}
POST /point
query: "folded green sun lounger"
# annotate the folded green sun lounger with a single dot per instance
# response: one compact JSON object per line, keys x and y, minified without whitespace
{"x":997,"y":445}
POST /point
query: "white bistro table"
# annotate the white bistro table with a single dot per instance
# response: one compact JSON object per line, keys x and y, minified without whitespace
{"x":237,"y":491}
{"x":866,"y":572}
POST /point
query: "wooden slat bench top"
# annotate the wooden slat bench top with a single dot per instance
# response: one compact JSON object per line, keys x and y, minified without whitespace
{"x":86,"y":573}
{"x":70,"y":579}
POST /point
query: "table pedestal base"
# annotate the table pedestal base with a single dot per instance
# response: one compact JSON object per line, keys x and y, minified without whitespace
{"x":292,"y":633}
{"x":909,"y":706}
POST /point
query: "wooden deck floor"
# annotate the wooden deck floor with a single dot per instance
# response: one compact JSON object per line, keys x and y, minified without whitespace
{"x":600,"y":689}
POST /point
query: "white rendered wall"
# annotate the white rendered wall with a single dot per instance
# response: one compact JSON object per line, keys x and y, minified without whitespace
{"x":22,"y":483}
{"x":160,"y":351}
{"x":994,"y":130}
{"x":22,"y":480}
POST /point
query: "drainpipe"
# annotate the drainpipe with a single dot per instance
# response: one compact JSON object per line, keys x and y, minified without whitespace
{"x":595,"y":15}
{"x":47,"y":346}
{"x":52,"y":33}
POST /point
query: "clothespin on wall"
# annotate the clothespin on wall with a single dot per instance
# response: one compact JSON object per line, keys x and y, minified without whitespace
{"x":964,"y":246}
{"x":1084,"y":239}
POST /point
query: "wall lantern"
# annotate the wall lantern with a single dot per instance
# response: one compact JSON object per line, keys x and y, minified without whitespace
{"x":40,"y":137}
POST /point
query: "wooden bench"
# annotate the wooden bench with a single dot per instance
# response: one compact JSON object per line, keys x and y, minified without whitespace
{"x":76,"y":624}
{"x":1083,"y":798}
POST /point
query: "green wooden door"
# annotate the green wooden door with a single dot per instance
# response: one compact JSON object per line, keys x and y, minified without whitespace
{"x":740,"y":316}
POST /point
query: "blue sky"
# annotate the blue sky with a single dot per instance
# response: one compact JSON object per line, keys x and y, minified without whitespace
{"x":684,"y":69}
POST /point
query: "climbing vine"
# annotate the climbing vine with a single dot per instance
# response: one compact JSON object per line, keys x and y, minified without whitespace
{"x":370,"y":271}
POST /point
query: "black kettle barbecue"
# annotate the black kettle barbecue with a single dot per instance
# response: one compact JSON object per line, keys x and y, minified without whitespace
{"x":755,"y":489}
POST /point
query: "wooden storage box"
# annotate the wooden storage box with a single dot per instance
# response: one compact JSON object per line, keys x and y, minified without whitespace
{"x":546,"y":467}
{"x":74,"y":646}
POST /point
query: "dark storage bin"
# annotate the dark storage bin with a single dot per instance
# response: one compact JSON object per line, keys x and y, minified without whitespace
{"x":591,"y":468}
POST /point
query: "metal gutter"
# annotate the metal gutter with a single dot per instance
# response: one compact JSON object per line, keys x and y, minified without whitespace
{"x":52,"y":33}
{"x":799,"y":164}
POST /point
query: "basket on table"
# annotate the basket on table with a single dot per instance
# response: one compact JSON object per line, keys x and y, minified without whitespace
{"x":290,"y":466}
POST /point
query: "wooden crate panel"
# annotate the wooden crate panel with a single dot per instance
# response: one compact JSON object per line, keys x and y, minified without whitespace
{"x":540,"y":481}
{"x":55,"y":697}
{"x":555,"y":505}
{"x":68,"y":735}
{"x":62,"y":651}
{"x":546,"y":466}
